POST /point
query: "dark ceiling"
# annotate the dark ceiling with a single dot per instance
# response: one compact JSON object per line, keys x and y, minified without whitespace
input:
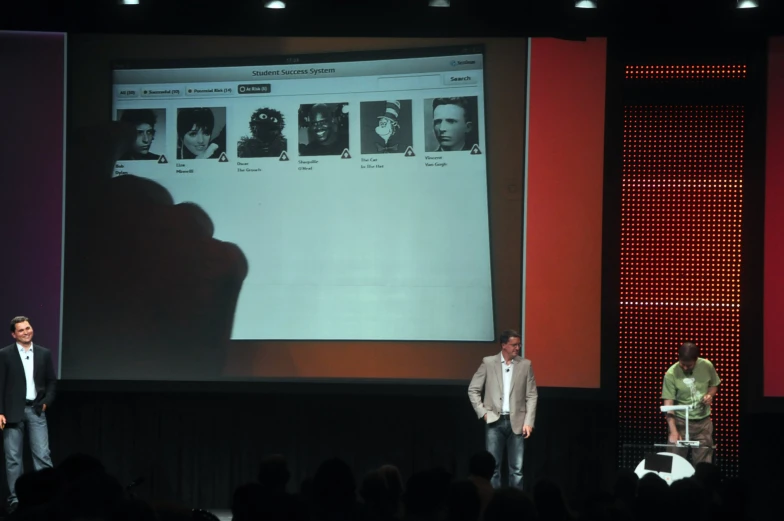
{"x":558,"y":18}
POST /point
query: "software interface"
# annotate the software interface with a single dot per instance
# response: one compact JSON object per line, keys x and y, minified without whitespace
{"x":355,"y":187}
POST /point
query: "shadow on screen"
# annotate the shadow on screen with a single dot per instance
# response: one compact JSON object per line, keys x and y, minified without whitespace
{"x":148,"y":291}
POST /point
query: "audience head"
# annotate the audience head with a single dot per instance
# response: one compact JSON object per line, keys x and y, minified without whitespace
{"x":549,"y":501}
{"x":510,"y":504}
{"x":482,"y":465}
{"x":393,"y":479}
{"x":463,"y":502}
{"x":689,"y":498}
{"x":95,"y":495}
{"x":708,"y":475}
{"x":78,"y":465}
{"x":334,"y":488}
{"x":274,"y":472}
{"x":37,"y":488}
{"x":373,"y":488}
{"x":426,"y":493}
{"x":625,"y":487}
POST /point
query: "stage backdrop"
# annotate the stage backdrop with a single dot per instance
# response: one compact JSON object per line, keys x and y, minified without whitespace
{"x":32,"y":66}
{"x":774,"y":225}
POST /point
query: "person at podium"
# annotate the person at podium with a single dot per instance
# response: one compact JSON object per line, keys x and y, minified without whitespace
{"x":692,"y":381}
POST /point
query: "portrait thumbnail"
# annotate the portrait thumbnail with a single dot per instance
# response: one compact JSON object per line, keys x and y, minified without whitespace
{"x":150,"y":143}
{"x":386,"y":126}
{"x":264,"y":134}
{"x":323,"y":129}
{"x":201,"y":132}
{"x":451,"y":124}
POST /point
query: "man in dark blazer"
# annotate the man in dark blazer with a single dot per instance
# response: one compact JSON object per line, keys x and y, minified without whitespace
{"x":27,"y":389}
{"x":508,"y":406}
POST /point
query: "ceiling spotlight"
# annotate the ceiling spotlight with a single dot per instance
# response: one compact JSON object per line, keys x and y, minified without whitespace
{"x":585,"y":4}
{"x":747,"y":4}
{"x":439,"y":3}
{"x":128,"y":2}
{"x":277,"y":4}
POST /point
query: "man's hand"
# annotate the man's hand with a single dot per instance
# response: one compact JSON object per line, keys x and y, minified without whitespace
{"x":673,"y":438}
{"x":485,"y":418}
{"x":707,"y":399}
{"x":43,"y":408}
{"x":527,"y":430}
{"x":2,"y":421}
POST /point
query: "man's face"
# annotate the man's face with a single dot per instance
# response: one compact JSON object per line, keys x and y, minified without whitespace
{"x":324,"y":128}
{"x":23,"y":333}
{"x":145,"y":133}
{"x":687,"y":366}
{"x":512,"y":347}
{"x":450,"y":126}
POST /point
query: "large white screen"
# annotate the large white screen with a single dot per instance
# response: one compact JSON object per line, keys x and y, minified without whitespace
{"x":348,"y":235}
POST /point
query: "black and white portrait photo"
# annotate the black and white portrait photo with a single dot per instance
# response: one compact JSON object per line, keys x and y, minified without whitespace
{"x":201,"y":132}
{"x":264,"y":134}
{"x":323,"y":129}
{"x":386,"y":126}
{"x":150,"y":126}
{"x":451,"y":124}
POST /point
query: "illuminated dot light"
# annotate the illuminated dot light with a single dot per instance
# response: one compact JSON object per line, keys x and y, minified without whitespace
{"x":682,"y":202}
{"x":685,"y":72}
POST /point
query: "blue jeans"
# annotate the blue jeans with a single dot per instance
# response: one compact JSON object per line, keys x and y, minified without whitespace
{"x":497,"y":435}
{"x":13,"y":440}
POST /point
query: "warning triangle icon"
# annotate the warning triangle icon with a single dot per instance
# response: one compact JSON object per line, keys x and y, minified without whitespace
{"x":345,"y":154}
{"x":162,"y":160}
{"x":475,"y":150}
{"x":409,"y":152}
{"x":283,"y":156}
{"x":223,"y":158}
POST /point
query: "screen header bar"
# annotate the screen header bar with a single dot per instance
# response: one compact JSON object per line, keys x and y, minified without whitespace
{"x":299,"y":71}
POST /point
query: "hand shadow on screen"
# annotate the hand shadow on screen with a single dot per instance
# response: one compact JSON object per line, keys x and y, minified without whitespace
{"x":149,"y":293}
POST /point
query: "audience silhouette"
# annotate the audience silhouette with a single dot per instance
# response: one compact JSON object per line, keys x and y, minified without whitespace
{"x":80,"y":488}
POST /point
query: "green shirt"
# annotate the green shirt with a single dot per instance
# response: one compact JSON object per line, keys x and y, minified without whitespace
{"x":689,"y":389}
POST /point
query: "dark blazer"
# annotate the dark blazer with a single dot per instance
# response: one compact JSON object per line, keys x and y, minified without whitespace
{"x":13,"y":385}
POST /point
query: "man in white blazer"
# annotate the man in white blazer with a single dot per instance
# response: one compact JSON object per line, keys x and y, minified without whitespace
{"x":509,"y":404}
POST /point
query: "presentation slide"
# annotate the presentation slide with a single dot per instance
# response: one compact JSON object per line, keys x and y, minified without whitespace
{"x":332,"y":209}
{"x":329,"y":209}
{"x":354,"y":185}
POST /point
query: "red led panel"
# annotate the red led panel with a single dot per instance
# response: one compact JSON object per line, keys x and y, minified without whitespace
{"x":682,"y":201}
{"x":685,"y":72}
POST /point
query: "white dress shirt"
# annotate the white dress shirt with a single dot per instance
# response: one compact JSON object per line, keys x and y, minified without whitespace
{"x":507,"y":371}
{"x":27,"y":362}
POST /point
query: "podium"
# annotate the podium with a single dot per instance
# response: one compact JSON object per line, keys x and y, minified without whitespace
{"x":682,"y":443}
{"x":667,"y":465}
{"x":662,"y":458}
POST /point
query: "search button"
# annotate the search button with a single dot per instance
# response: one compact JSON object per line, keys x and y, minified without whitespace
{"x":460,"y":78}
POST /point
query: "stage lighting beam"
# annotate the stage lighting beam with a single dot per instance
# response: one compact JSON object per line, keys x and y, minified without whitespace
{"x":748,"y":4}
{"x":585,"y":4}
